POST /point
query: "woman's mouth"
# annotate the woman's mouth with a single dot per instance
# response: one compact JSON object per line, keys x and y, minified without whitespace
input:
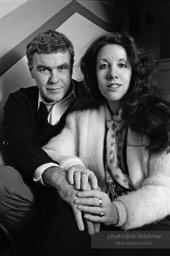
{"x":114,"y":85}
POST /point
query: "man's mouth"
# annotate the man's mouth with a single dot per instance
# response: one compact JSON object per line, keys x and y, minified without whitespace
{"x":53,"y":89}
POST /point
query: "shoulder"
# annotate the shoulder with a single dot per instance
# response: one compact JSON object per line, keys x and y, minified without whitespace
{"x":29,"y":94}
{"x":91,"y":115}
{"x":160,"y":162}
{"x":28,"y":91}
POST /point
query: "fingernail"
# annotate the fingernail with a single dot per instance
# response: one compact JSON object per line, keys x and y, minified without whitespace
{"x":81,"y":228}
{"x":91,"y":232}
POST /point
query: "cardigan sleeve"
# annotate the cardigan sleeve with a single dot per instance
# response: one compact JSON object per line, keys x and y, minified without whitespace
{"x":151,"y":202}
{"x":64,"y":147}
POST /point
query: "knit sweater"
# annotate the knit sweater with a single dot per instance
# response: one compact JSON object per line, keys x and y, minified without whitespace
{"x":82,"y":141}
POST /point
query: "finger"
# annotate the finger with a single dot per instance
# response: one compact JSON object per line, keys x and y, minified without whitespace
{"x":94,"y":218}
{"x":78,"y":219}
{"x":89,"y":209}
{"x":93,"y":180}
{"x":96,"y":227}
{"x":91,"y":201}
{"x":84,"y":181}
{"x":70,"y":176}
{"x":77,"y":179}
{"x":90,"y":193}
{"x":90,"y":227}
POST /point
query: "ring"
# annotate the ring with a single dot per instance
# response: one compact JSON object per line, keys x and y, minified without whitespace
{"x":101,"y":214}
{"x":100,"y":202}
{"x":84,"y":172}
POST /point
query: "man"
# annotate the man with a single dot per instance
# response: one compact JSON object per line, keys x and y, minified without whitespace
{"x":31,"y":117}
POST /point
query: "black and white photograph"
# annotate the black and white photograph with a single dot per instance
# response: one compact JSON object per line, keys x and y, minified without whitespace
{"x":84,"y":127}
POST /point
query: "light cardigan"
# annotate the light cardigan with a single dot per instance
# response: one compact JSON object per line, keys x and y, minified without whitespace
{"x":82,"y":141}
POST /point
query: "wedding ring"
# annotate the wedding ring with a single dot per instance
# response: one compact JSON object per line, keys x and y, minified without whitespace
{"x":84,"y":172}
{"x":101,"y":214}
{"x":100,"y":202}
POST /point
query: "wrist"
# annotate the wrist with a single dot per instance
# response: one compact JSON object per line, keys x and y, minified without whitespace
{"x":51,"y":176}
{"x":122,"y":213}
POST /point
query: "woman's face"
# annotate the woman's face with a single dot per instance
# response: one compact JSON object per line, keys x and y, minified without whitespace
{"x":113,"y":74}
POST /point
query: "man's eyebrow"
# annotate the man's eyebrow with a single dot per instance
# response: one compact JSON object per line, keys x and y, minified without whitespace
{"x":43,"y":66}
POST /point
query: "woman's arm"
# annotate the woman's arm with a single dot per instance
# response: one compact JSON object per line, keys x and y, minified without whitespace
{"x":64,"y":149}
{"x":151,"y":202}
{"x":148,"y":204}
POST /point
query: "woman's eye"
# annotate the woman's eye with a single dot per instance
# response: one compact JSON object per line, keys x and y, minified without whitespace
{"x":103,"y":66}
{"x":122,"y":65}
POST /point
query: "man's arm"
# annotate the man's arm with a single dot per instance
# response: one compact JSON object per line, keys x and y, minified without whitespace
{"x":21,"y":128}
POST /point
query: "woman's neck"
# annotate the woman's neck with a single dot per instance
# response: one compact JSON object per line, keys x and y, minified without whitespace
{"x":114,"y":106}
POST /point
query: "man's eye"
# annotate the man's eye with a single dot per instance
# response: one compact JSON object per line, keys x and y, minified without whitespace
{"x":44,"y":70}
{"x":63,"y":68}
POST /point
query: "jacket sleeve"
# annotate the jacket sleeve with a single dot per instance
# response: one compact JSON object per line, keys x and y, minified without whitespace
{"x":19,"y":148}
{"x":64,"y":147}
{"x":151,"y":202}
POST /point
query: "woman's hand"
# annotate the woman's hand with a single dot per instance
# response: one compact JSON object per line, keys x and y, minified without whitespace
{"x":80,"y":177}
{"x":97,"y":207}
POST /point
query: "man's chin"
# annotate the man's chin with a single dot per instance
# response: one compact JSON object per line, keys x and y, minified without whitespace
{"x":55,"y":99}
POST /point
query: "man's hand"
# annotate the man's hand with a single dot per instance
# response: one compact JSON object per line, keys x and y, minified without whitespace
{"x":57,"y":178}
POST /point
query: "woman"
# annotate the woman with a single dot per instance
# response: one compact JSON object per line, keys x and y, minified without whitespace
{"x":118,"y":140}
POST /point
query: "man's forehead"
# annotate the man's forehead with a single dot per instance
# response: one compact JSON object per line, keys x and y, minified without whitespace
{"x":57,"y":58}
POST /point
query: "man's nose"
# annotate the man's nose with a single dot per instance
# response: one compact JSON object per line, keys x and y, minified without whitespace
{"x":54,"y":77}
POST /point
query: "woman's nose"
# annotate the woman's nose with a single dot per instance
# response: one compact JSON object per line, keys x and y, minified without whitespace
{"x":113,"y":73}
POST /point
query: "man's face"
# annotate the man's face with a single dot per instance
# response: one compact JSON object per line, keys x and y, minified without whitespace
{"x":52,"y":73}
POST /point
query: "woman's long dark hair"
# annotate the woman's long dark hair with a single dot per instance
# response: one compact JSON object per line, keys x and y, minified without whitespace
{"x":144,"y":109}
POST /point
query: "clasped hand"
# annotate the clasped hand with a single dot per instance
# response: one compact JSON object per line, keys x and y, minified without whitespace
{"x":81,"y":177}
{"x":97,"y":207}
{"x":57,"y":177}
{"x":95,"y":204}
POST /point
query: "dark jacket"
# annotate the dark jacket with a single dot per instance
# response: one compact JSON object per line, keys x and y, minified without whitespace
{"x":25,"y":131}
